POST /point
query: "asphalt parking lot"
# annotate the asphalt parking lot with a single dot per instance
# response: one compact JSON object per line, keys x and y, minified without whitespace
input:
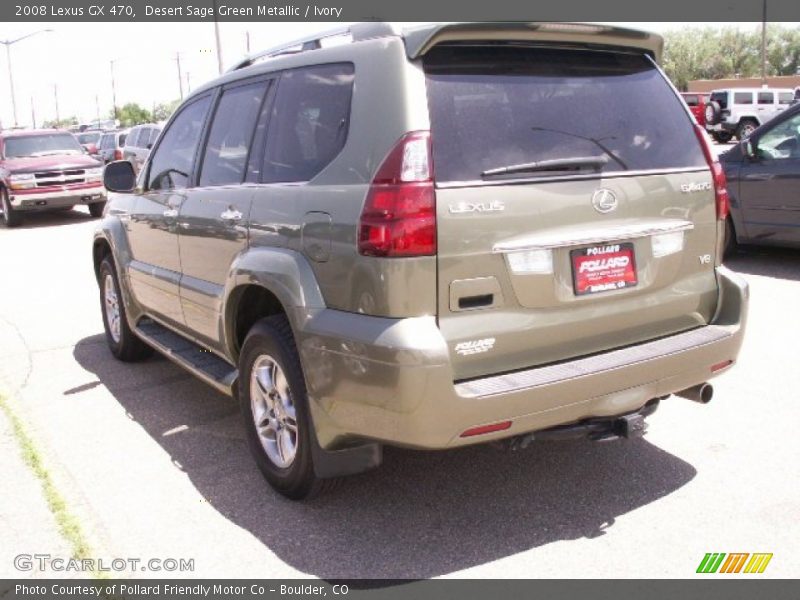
{"x":154,"y":465}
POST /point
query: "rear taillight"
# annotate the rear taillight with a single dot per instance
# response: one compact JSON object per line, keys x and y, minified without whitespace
{"x":718,"y":175}
{"x":117,"y":154}
{"x":399,"y":216}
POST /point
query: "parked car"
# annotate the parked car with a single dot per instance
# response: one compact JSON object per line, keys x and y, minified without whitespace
{"x":90,"y":140}
{"x":738,"y":111}
{"x":696,"y":101}
{"x":764,"y":181}
{"x":111,"y":145}
{"x":138,"y":143}
{"x":46,"y":169}
{"x":448,"y":256}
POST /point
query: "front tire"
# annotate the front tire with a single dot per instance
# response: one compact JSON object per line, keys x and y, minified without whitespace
{"x":96,"y":209}
{"x":10,"y":217}
{"x":274,"y":406}
{"x":123,"y":343}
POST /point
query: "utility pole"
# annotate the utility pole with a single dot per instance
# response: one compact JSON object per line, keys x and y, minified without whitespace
{"x":188,"y":83}
{"x":33,"y":114}
{"x":216,"y":35}
{"x":114,"y":91}
{"x":764,"y":45}
{"x":180,"y":75}
{"x":55,"y":93}
{"x":247,"y":41}
{"x":97,"y":106}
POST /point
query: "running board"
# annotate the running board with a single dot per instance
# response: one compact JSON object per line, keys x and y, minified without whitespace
{"x":206,"y":365}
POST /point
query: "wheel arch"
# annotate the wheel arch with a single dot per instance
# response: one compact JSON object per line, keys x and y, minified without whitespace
{"x":263,"y":282}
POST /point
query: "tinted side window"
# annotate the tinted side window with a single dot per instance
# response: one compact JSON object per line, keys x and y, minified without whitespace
{"x":171,"y":163}
{"x":228,"y":144}
{"x":133,"y":136}
{"x":766,"y":98}
{"x":122,"y":138}
{"x":144,"y":137}
{"x":743,"y":97}
{"x":154,"y":135}
{"x":309,"y":122}
{"x":785,"y":97}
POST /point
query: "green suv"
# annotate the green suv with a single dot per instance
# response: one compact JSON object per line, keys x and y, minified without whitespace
{"x":428,"y":238}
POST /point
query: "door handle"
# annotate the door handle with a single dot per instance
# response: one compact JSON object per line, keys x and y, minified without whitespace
{"x":231,"y":215}
{"x":171,"y":213}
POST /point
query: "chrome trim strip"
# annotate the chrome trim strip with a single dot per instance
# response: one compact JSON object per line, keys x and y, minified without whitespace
{"x":603,"y":176}
{"x":608,"y":234}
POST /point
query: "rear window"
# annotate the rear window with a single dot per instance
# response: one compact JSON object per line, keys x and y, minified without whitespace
{"x":495,"y":107}
{"x":122,"y":137}
{"x":133,"y":136}
{"x":720,"y":98}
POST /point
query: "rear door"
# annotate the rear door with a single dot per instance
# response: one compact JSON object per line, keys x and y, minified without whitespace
{"x":214,"y":217}
{"x":575,"y":210}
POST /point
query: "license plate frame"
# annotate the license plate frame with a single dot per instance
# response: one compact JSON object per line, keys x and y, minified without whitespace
{"x":615,"y":268}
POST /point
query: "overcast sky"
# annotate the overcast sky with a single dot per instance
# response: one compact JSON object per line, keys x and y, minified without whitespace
{"x":76,"y":57}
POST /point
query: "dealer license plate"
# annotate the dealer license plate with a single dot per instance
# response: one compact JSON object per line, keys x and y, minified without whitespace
{"x":603,"y":268}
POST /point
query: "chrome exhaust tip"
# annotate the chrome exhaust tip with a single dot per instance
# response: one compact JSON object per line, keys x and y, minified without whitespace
{"x":701,"y":393}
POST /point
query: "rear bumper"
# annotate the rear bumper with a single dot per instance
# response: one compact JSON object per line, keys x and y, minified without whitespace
{"x":390,"y":380}
{"x":35,"y":200}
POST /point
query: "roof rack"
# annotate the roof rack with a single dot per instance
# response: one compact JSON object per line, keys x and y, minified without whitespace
{"x":356,"y":31}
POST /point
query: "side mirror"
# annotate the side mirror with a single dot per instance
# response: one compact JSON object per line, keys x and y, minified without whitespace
{"x":118,"y":176}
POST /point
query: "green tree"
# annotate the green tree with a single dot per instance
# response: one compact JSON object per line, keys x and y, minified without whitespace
{"x":61,"y":123}
{"x":132,"y":114}
{"x":163,"y":111}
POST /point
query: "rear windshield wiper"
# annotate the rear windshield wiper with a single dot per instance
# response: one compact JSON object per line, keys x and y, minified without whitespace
{"x":576,"y":163}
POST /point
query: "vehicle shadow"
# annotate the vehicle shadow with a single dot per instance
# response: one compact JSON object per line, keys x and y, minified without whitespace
{"x":52,"y":218}
{"x":422,"y":514}
{"x":781,"y":263}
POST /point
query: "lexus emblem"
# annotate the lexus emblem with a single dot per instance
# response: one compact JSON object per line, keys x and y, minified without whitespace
{"x":604,"y":200}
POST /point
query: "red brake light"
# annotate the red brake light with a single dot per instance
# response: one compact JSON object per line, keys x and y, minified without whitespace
{"x":718,"y":174}
{"x":117,"y":154}
{"x":399,"y":215}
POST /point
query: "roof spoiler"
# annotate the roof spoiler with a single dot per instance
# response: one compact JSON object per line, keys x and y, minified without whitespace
{"x":420,"y":40}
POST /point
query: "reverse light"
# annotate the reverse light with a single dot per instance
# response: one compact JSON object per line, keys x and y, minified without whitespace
{"x":718,"y":175}
{"x":538,"y":262}
{"x":22,"y":181}
{"x":399,"y":215}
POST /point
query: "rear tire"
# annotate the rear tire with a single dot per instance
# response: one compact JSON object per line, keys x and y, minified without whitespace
{"x":96,"y":209}
{"x":123,"y":343}
{"x":274,"y":406}
{"x":712,"y":112}
{"x":731,"y":245}
{"x":10,"y":217}
{"x":721,"y":137}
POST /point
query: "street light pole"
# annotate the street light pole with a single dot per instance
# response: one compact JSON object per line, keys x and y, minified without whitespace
{"x":55,"y":92}
{"x":114,"y":91}
{"x":7,"y":44}
{"x":180,"y":75}
{"x":216,"y":35}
